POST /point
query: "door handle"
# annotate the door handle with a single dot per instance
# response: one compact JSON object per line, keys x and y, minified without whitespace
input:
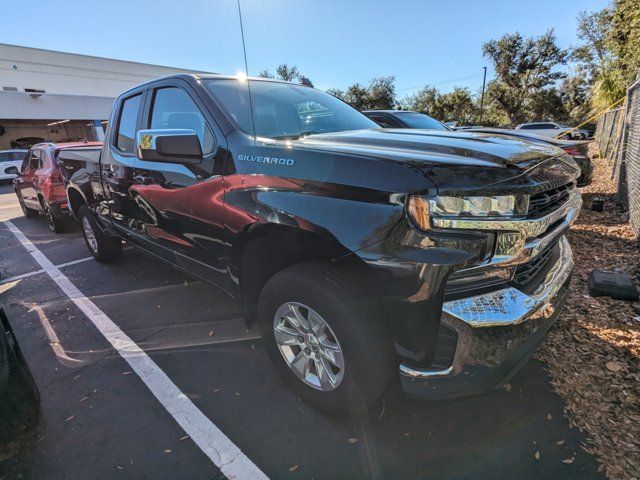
{"x":143,"y":179}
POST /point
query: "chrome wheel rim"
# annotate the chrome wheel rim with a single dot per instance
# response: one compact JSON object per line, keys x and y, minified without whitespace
{"x":309,"y":347}
{"x":89,"y":235}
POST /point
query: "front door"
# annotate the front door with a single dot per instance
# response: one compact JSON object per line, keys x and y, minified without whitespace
{"x":170,"y":196}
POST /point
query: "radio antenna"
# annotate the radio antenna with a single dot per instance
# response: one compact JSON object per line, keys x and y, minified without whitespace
{"x":246,"y":71}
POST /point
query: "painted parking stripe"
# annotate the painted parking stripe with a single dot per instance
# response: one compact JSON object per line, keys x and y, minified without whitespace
{"x":210,"y":439}
{"x":36,"y":272}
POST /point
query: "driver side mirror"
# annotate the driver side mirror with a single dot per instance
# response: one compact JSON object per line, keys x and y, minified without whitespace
{"x":12,"y":171}
{"x":171,"y":146}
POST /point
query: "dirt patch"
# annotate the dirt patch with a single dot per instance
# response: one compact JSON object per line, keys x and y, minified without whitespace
{"x":592,"y":353}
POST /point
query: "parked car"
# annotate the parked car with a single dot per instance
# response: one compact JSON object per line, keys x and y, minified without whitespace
{"x":551,"y":129}
{"x":10,"y":162}
{"x":19,"y":399}
{"x":577,"y":149}
{"x":360,"y":252}
{"x":404,"y":119}
{"x":40,"y":187}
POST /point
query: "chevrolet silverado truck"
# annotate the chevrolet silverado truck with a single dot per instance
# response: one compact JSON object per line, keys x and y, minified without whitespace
{"x":362,"y":253}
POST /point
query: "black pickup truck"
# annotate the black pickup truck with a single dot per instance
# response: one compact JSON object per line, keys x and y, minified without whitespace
{"x":361,"y":252}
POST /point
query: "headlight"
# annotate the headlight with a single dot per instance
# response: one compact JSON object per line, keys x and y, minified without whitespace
{"x":421,"y":209}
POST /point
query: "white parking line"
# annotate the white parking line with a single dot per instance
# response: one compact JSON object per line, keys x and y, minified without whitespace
{"x":209,"y":438}
{"x":21,"y":276}
{"x":36,"y":272}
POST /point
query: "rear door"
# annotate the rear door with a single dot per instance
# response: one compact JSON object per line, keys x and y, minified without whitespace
{"x":181,"y":204}
{"x":116,"y":206}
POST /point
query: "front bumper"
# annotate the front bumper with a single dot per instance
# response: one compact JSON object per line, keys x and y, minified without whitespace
{"x":497,"y":333}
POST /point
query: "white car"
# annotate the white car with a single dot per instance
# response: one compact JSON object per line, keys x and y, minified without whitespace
{"x":544,"y":129}
{"x":10,"y":160}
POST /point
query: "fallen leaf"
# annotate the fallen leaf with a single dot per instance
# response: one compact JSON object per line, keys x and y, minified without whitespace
{"x":352,"y":440}
{"x":167,"y":450}
{"x":126,"y":373}
{"x":70,"y":418}
{"x":536,"y":455}
{"x":614,"y":366}
{"x":210,"y":333}
{"x":184,"y":438}
{"x":119,"y":467}
{"x":293,"y":468}
{"x":507,"y":387}
{"x":560,"y":442}
{"x":549,"y":417}
{"x":568,"y":461}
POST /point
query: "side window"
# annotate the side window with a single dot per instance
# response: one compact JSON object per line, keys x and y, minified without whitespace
{"x":173,"y":108}
{"x":383,"y":122}
{"x":125,"y":136}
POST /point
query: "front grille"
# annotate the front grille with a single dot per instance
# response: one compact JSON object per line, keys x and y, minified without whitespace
{"x":526,"y":275}
{"x":545,"y":202}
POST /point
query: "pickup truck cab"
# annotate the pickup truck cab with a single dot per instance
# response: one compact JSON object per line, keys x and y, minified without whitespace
{"x":362,"y":253}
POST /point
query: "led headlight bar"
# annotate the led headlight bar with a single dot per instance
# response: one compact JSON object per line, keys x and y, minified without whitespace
{"x":421,"y":209}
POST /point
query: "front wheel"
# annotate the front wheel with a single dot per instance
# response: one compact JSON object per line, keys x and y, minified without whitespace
{"x":323,"y":337}
{"x":27,"y":212}
{"x":104,"y":248}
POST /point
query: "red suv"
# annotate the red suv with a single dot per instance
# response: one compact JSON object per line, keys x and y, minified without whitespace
{"x":40,"y":186}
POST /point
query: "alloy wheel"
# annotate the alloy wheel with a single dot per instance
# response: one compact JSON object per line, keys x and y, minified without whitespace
{"x":309,"y":346}
{"x":89,"y":234}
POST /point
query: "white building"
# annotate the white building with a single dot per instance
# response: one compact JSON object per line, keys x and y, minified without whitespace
{"x":58,"y":96}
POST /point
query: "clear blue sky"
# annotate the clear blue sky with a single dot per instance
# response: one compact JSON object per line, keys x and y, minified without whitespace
{"x":333,"y":42}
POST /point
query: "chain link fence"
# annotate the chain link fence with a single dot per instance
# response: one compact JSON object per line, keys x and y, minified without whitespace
{"x":618,"y":140}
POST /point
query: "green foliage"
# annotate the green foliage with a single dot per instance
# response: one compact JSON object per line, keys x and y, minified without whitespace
{"x":379,"y":94}
{"x":610,"y":52}
{"x":283,"y":72}
{"x":523,"y":67}
{"x":457,"y":105}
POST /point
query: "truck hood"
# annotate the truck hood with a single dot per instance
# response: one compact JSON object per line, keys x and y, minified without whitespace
{"x":428,"y":148}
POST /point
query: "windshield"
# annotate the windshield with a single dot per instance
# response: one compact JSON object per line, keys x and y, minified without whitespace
{"x":283,"y":110}
{"x":420,"y":120}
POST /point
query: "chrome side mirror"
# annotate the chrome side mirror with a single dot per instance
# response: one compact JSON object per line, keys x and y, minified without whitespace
{"x":169,"y":145}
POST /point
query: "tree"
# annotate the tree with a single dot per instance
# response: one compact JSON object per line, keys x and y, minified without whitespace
{"x":423,"y":100}
{"x":457,"y":105}
{"x":593,"y":55}
{"x":523,"y":67}
{"x":283,"y":72}
{"x":379,"y":94}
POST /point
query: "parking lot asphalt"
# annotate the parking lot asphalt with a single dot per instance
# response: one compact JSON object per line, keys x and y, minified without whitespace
{"x":100,"y":418}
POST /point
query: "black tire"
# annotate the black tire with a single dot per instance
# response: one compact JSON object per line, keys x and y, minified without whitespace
{"x":368,"y":355}
{"x":106,"y":248}
{"x":56,"y":224}
{"x":27,"y":212}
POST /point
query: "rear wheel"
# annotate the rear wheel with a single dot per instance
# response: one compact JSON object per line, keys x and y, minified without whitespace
{"x":104,"y":248}
{"x":324,"y":338}
{"x":28,"y":212}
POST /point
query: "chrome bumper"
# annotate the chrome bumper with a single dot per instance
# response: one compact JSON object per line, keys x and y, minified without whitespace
{"x":492,"y":328}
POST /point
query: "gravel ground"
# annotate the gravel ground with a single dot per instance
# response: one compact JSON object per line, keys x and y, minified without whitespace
{"x":593,"y":352}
